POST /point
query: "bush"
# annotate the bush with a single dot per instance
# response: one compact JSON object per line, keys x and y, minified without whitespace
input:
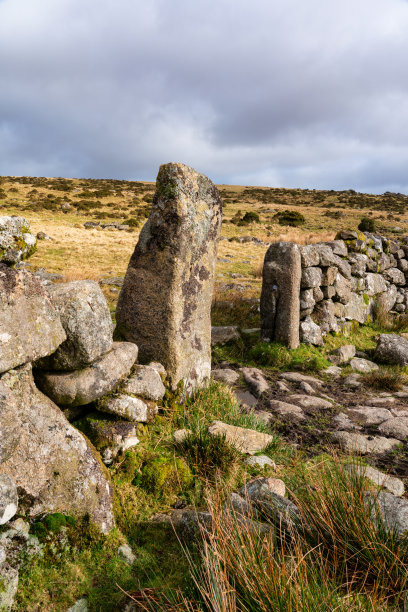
{"x":208,"y":456}
{"x":165,"y":475}
{"x":366,"y":225}
{"x":293,"y":218}
{"x":250,"y":217}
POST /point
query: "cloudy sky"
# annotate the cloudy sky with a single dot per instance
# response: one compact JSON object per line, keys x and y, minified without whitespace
{"x":288,"y":93}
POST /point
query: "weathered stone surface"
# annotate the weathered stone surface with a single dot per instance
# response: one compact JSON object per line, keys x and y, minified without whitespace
{"x":86,"y":320}
{"x":396,"y":426}
{"x":328,"y":258}
{"x":374,"y":284}
{"x":255,"y":380}
{"x":310,"y":256}
{"x":246,"y":441}
{"x":145,"y":381}
{"x":356,"y":309}
{"x":285,"y":409}
{"x":165,"y":302}
{"x":358,"y":264}
{"x":368,"y":415}
{"x":52,"y":464}
{"x":299,"y":377}
{"x":280,"y":301}
{"x":246,"y":399}
{"x":342,"y":288}
{"x":306,"y":299}
{"x":223,"y":334}
{"x":309,"y":403}
{"x":127,"y":407}
{"x":393,"y":510}
{"x":16,"y":242}
{"x":310,"y":332}
{"x":387,"y":299}
{"x":395,"y":276}
{"x":392,"y":349}
{"x":260,"y":461}
{"x":392,"y":484}
{"x":338,"y":247}
{"x":380,"y":402}
{"x":30,"y":326}
{"x":225,"y":375}
{"x":328,"y":276}
{"x":311,"y":277}
{"x":9,"y":584}
{"x":345,"y":353}
{"x":343,"y":421}
{"x":324,"y":315}
{"x":359,"y":443}
{"x":333,"y":371}
{"x":84,"y":386}
{"x":108,"y":434}
{"x":259,"y":489}
{"x":363,"y":365}
{"x":8,"y":499}
{"x":181,"y":434}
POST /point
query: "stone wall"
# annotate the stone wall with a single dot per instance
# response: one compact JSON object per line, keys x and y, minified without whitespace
{"x":340,"y":282}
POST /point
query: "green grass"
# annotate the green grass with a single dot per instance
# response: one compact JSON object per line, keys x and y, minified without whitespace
{"x":305,"y":358}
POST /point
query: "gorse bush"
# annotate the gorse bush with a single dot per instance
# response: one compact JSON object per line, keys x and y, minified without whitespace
{"x":293,"y":218}
{"x":366,"y":225}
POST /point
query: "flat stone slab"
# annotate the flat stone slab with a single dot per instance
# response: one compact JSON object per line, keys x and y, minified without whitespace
{"x":145,"y":381}
{"x":360,"y":443}
{"x":285,"y":409}
{"x":255,"y":380}
{"x":368,"y":415}
{"x":396,"y":426}
{"x":298,"y":377}
{"x":246,"y":441}
{"x":85,"y":386}
{"x":380,"y":402}
{"x":225,"y":375}
{"x":392,"y":484}
{"x":308,"y":402}
{"x":343,"y":421}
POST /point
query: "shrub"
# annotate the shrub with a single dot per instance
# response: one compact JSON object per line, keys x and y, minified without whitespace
{"x":293,"y":218}
{"x":386,"y":379}
{"x":250,"y":217}
{"x":132,"y":222}
{"x":366,"y":225}
{"x":208,"y":456}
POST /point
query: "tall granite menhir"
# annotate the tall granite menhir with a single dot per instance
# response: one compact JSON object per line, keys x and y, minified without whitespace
{"x":165,"y":303}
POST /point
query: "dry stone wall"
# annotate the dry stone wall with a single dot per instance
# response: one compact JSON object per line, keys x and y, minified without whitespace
{"x":340,"y":282}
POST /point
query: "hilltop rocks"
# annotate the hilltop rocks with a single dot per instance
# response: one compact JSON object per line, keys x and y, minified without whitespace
{"x":84,"y":386}
{"x":86,"y":320}
{"x":51,"y":463}
{"x":16,"y":242}
{"x":280,"y":302}
{"x":30,"y":326}
{"x":164,"y":305}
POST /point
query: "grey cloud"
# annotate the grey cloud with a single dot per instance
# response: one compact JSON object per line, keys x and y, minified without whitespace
{"x":277,"y":92}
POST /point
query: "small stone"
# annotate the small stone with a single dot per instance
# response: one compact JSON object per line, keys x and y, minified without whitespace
{"x":126,"y":553}
{"x":127,"y":407}
{"x":367,"y":415}
{"x":245,"y":398}
{"x":354,"y":380}
{"x":180,"y":435}
{"x":299,"y":377}
{"x":145,"y":381}
{"x":310,"y":403}
{"x":81,"y":605}
{"x":8,"y":499}
{"x":359,"y":443}
{"x":311,"y":277}
{"x":255,"y":489}
{"x":394,"y":510}
{"x":333,"y":371}
{"x":245,"y":440}
{"x":221,"y":335}
{"x":343,"y":421}
{"x":225,"y":375}
{"x":159,"y":368}
{"x":16,"y":241}
{"x":363,"y":365}
{"x":306,"y":388}
{"x":260,"y":461}
{"x":380,"y":401}
{"x":396,"y":426}
{"x":392,"y":349}
{"x":282,"y":386}
{"x":345,"y":353}
{"x":310,"y":332}
{"x":239,"y":504}
{"x":286,"y":410}
{"x":256,"y":380}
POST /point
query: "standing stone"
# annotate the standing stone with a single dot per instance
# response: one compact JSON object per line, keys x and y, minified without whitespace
{"x":165,"y":302}
{"x":280,"y":302}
